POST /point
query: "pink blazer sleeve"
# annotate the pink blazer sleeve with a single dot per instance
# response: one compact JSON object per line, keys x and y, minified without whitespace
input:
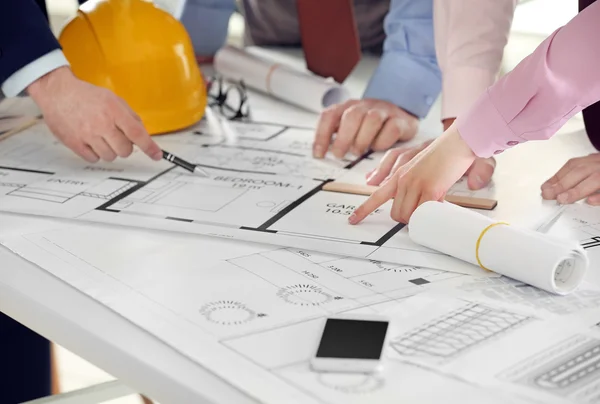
{"x":559,"y":79}
{"x":470,"y":36}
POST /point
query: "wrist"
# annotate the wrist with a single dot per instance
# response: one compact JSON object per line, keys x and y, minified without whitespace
{"x":457,"y":144}
{"x":46,"y":85}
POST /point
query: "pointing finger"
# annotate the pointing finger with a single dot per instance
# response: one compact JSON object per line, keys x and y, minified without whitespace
{"x":377,"y":198}
{"x":134,"y":130}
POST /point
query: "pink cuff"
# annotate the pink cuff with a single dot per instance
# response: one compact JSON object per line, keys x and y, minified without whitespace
{"x":484,"y":129}
{"x":462,"y":87}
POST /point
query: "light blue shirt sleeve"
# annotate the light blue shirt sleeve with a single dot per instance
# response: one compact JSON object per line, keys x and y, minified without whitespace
{"x":408,"y":74}
{"x":207,"y":23}
{"x":22,"y":78}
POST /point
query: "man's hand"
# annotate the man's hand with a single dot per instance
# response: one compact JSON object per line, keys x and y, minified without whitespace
{"x":360,"y":125}
{"x":478,"y":175}
{"x":91,"y":121}
{"x":579,"y":178}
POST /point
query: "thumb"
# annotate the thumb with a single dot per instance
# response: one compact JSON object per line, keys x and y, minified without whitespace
{"x":481,"y":172}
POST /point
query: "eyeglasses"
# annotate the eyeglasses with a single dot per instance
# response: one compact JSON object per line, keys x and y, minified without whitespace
{"x":231,"y":99}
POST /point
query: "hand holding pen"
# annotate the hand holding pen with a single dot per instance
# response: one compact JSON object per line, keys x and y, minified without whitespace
{"x":193,"y":168}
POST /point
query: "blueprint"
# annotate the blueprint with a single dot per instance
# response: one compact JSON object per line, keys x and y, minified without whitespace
{"x":263,"y":186}
{"x":251,"y":313}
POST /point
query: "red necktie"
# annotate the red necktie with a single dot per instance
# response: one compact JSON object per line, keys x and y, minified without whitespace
{"x":329,"y":37}
{"x":591,"y":114}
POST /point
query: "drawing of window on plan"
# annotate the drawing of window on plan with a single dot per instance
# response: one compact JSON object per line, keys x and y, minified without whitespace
{"x":569,"y":369}
{"x":508,"y":290}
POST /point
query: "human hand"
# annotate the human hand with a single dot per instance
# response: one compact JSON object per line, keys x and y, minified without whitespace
{"x":427,"y":177}
{"x":360,"y":125}
{"x":478,"y":175}
{"x":91,"y":121}
{"x":579,"y":178}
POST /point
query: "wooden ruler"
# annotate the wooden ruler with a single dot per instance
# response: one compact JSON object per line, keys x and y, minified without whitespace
{"x":359,"y":189}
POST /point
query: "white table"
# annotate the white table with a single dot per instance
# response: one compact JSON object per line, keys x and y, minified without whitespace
{"x":62,"y":314}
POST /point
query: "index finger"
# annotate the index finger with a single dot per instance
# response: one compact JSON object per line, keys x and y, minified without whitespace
{"x":327,"y":125}
{"x":134,"y":131}
{"x":377,"y":198}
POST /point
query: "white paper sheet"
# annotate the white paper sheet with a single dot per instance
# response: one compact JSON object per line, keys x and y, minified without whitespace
{"x":293,"y":86}
{"x":549,"y":263}
{"x":547,"y":360}
{"x":250,"y":313}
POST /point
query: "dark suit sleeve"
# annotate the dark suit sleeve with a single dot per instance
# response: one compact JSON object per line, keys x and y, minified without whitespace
{"x":24,"y":36}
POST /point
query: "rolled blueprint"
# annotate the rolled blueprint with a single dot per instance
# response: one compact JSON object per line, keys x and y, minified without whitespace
{"x":305,"y":90}
{"x":555,"y":265}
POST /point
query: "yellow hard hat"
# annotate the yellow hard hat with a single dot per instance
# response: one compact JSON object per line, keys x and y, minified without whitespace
{"x":141,"y":53}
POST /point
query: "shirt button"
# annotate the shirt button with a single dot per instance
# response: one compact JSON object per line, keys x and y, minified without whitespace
{"x":428,"y":100}
{"x":498,"y":151}
{"x":512,"y":143}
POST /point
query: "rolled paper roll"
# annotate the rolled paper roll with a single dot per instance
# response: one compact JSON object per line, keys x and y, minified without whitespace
{"x":546,"y":262}
{"x":296,"y":87}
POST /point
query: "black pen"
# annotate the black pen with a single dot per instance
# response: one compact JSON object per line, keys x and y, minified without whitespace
{"x":184,"y":164}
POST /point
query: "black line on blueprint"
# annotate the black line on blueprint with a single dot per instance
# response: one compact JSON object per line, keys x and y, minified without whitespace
{"x":130,"y":191}
{"x":273,"y":136}
{"x":595,"y":242}
{"x":235,"y":170}
{"x":25,"y":170}
{"x":386,"y":236}
{"x":125,"y":179}
{"x":179,"y":219}
{"x":257,"y":229}
{"x":291,"y":206}
{"x":358,"y":160}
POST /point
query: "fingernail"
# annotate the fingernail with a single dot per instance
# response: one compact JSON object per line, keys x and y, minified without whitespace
{"x":369,"y":174}
{"x":158,"y":155}
{"x":547,"y":193}
{"x":318,"y":151}
{"x":384,"y":115}
{"x":353,"y":219}
{"x":562,"y":198}
{"x":478,"y":181}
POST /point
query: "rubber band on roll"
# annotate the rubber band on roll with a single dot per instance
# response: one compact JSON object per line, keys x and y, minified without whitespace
{"x":479,"y":243}
{"x":268,"y":77}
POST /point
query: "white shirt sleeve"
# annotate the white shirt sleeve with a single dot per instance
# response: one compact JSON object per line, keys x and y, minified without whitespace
{"x":26,"y":75}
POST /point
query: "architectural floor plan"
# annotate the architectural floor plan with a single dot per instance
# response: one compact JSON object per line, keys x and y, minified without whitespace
{"x":251,"y":313}
{"x":264,"y":186}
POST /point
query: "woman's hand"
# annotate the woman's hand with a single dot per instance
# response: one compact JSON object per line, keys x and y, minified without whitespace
{"x":426,"y":177}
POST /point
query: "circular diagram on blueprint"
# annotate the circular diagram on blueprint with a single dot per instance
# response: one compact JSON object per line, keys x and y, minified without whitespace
{"x":351,"y":384}
{"x":228,"y":312}
{"x":305,"y":295}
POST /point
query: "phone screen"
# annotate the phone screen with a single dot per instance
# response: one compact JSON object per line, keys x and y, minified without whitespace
{"x":352,"y":339}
